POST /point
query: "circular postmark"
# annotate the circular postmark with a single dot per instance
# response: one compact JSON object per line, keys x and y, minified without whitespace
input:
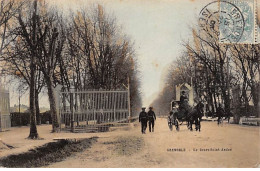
{"x":222,"y":20}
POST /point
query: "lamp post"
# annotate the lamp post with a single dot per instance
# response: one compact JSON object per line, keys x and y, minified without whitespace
{"x":20,"y":107}
{"x":18,"y":73}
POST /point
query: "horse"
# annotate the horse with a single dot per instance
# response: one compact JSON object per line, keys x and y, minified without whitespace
{"x":195,"y":115}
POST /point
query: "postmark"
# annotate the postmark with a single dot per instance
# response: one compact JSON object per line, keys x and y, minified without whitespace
{"x":209,"y":19}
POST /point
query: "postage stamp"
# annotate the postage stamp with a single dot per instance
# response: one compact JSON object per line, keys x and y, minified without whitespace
{"x":235,"y":14}
{"x":232,"y":21}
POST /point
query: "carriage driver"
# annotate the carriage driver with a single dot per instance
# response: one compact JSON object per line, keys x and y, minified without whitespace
{"x":183,"y":99}
{"x":143,"y":117}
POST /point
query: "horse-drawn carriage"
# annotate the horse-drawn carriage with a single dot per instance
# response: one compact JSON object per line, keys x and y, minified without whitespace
{"x":180,"y":113}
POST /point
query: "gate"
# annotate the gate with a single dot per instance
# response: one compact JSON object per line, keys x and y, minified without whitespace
{"x":93,"y":109}
{"x":5,"y":121}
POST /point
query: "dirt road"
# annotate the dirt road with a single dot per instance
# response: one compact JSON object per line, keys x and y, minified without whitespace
{"x":224,"y":146}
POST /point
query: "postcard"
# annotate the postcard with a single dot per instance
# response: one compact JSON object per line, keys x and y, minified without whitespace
{"x":129,"y":83}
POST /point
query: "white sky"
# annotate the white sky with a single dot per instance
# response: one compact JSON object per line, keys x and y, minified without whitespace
{"x":158,"y":28}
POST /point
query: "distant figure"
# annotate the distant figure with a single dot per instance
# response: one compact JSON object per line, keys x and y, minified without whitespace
{"x":220,"y":113}
{"x":175,"y":114}
{"x":151,"y":118}
{"x":170,"y":120}
{"x":228,"y":114}
{"x":143,"y":119}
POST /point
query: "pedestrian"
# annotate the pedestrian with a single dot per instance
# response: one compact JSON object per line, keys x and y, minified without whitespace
{"x":220,"y":113}
{"x":151,"y":118}
{"x":175,"y":114}
{"x":143,"y":119}
{"x":170,"y":120}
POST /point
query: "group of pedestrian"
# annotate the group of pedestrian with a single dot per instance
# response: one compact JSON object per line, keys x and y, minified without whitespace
{"x":145,"y":117}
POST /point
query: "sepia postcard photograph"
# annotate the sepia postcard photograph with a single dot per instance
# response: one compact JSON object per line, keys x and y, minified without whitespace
{"x":129,"y":84}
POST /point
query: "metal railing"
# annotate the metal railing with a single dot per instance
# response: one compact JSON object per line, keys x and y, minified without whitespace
{"x":85,"y":108}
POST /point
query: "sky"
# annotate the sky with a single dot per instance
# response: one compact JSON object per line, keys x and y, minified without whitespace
{"x":157,"y":27}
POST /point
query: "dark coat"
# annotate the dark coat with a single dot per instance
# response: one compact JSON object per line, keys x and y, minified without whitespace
{"x":151,"y":115}
{"x":182,"y":98}
{"x":143,"y":117}
{"x":220,"y":112}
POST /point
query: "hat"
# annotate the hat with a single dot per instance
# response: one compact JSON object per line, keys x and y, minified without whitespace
{"x":143,"y":107}
{"x":150,"y":107}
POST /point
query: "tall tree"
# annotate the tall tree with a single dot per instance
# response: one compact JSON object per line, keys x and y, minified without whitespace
{"x":27,"y":31}
{"x":52,"y":32}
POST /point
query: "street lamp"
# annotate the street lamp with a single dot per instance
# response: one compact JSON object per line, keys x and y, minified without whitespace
{"x":19,"y":74}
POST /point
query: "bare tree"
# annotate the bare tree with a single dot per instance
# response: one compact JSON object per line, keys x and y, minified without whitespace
{"x":214,"y":56}
{"x":246,"y":59}
{"x":98,"y":56}
{"x":8,"y":9}
{"x":52,"y":32}
{"x":27,"y":31}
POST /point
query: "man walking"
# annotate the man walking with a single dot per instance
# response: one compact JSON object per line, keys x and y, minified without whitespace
{"x":143,"y":119}
{"x":220,"y":113}
{"x":151,"y":118}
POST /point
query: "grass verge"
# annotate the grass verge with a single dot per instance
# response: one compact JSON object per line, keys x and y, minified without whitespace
{"x":127,"y":146}
{"x":49,"y":153}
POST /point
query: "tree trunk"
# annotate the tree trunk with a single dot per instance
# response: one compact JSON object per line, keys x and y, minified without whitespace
{"x":33,"y":130}
{"x":256,"y":96}
{"x":237,"y":104}
{"x":38,"y":115}
{"x":52,"y":100}
{"x":245,"y":102}
{"x":215,"y":101}
{"x":211,"y":103}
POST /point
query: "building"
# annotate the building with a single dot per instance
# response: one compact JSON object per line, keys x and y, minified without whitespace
{"x":5,"y":120}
